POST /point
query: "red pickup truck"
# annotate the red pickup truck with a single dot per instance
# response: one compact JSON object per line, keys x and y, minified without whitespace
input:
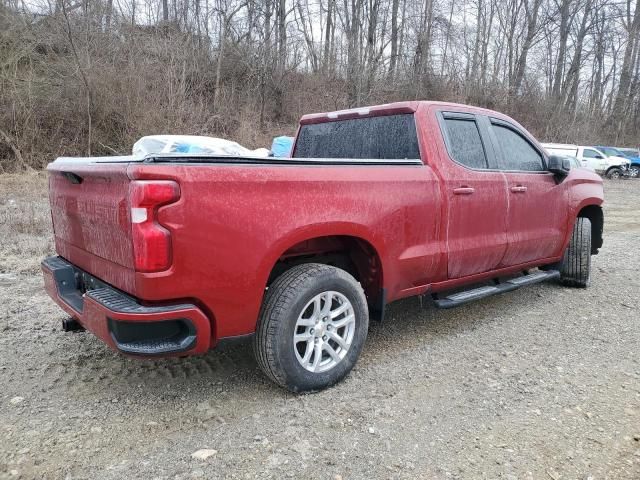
{"x":177,"y":254}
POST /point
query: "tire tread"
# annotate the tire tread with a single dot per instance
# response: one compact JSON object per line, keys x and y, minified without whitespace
{"x":576,"y":264}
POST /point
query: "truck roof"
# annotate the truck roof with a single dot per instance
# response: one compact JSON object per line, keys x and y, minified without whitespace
{"x":389,"y":109}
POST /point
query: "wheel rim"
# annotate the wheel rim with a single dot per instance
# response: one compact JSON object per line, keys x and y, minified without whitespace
{"x":324,"y":331}
{"x":634,"y":171}
{"x":614,"y":174}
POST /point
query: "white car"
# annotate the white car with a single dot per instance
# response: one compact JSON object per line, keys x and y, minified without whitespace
{"x":592,"y":158}
{"x":609,"y":166}
{"x":566,"y":150}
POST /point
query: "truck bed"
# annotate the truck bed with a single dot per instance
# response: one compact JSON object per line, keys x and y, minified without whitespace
{"x":237,"y":216}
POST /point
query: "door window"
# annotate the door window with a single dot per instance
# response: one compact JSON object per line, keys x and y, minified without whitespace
{"x":589,"y":153}
{"x":517,"y":152}
{"x":464,"y":143}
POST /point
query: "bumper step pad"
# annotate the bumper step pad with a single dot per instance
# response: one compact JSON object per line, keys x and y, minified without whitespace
{"x":120,"y":319}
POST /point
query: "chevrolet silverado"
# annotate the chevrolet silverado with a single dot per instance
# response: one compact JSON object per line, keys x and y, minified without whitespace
{"x":175,"y":254}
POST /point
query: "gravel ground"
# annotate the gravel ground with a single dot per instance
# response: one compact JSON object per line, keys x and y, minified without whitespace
{"x":541,"y":383}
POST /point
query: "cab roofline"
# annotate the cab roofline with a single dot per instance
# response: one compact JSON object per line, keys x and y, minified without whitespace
{"x":392,"y":109}
{"x":360,"y":112}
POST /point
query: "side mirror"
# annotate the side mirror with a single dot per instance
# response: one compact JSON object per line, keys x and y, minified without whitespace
{"x":599,"y":157}
{"x":559,"y":166}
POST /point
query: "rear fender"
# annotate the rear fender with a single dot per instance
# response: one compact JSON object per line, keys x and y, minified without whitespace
{"x":309,"y":232}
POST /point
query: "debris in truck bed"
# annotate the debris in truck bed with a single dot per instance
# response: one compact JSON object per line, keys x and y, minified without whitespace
{"x":192,"y":144}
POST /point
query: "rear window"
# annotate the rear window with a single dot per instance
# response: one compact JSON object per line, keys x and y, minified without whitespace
{"x":387,"y":137}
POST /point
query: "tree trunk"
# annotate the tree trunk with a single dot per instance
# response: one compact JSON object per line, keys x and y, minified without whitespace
{"x":423,"y":49}
{"x":165,"y":10}
{"x":573,"y":75}
{"x":532,"y":29}
{"x":622,"y":97}
{"x":108,"y":13}
{"x":353,"y":53}
{"x":326,"y":54}
{"x":394,"y":38}
{"x":223,"y":36}
{"x":562,"y":48}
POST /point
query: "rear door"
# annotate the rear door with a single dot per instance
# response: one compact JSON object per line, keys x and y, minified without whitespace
{"x":476,"y":196}
{"x":538,"y":210}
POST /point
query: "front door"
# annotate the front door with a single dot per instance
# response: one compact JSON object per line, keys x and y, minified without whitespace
{"x":593,"y":159}
{"x":476,"y":197}
{"x":537,"y":216}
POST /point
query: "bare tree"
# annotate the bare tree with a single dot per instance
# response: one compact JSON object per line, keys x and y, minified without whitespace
{"x":532,"y":10}
{"x":247,"y":68}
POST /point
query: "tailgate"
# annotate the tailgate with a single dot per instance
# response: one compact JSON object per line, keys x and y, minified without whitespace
{"x":91,"y":219}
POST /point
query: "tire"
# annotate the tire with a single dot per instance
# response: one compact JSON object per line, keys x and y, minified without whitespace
{"x":634,"y":171}
{"x":614,"y":173}
{"x":299,"y":296}
{"x":575,"y":268}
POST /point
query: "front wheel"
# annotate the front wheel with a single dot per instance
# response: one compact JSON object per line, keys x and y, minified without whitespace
{"x":312,"y":327}
{"x":634,"y":171}
{"x":614,"y":173}
{"x":575,"y":268}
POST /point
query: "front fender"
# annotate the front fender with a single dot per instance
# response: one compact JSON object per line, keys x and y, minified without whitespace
{"x":585,"y":189}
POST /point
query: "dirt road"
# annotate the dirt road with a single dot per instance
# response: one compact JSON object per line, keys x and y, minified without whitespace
{"x":541,"y":383}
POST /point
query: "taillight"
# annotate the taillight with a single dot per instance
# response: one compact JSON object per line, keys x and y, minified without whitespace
{"x":151,"y":241}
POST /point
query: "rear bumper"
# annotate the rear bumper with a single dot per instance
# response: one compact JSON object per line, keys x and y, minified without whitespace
{"x":122,"y":321}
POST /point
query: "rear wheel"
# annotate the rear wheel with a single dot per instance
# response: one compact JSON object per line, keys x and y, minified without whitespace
{"x":575,"y":268}
{"x":312,"y":327}
{"x":634,"y":171}
{"x":614,"y":173}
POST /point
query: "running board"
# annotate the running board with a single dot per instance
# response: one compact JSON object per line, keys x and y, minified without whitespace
{"x":467,"y":296}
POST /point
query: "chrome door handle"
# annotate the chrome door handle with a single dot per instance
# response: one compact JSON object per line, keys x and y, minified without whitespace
{"x":519,"y":189}
{"x":463,"y":191}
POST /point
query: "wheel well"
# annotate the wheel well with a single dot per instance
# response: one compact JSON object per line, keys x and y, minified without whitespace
{"x":596,"y":217}
{"x":353,"y":254}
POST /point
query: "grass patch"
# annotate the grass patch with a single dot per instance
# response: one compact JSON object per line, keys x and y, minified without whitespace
{"x":25,"y":222}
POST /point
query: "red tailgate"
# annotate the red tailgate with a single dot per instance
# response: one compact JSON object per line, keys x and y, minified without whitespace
{"x":91,"y":219}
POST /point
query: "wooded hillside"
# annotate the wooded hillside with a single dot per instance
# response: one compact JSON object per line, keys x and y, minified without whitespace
{"x":80,"y":77}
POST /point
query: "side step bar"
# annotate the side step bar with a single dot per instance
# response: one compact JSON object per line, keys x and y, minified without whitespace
{"x":467,"y":296}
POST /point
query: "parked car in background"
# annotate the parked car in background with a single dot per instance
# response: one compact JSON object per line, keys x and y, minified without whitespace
{"x":610,"y":166}
{"x":629,"y":152}
{"x":633,"y":154}
{"x":565,"y":149}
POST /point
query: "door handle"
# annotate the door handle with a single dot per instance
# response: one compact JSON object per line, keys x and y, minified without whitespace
{"x":519,"y":189}
{"x":463,"y":191}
